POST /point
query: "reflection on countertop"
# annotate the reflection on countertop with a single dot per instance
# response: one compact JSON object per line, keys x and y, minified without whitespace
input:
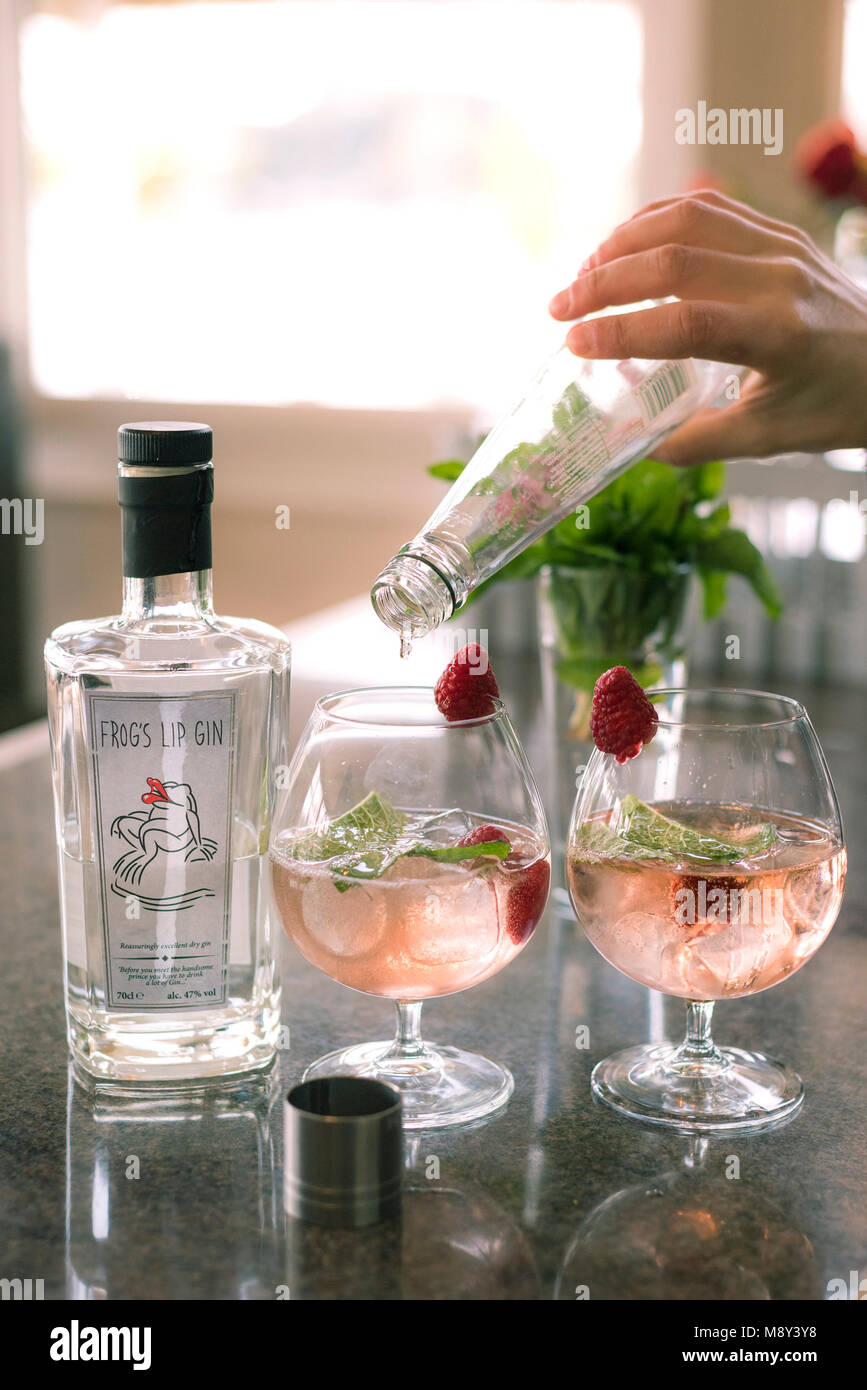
{"x":109,"y":1196}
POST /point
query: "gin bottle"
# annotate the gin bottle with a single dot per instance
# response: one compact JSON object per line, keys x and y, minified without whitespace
{"x":167,"y":724}
{"x":579,"y":424}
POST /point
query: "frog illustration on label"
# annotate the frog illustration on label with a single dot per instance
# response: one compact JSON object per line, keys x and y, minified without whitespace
{"x":169,"y":829}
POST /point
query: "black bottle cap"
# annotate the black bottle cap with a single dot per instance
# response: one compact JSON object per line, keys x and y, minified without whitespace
{"x":165,"y":442}
{"x":166,"y":515}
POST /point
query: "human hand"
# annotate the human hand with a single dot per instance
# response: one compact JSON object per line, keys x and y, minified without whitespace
{"x":751,"y":291}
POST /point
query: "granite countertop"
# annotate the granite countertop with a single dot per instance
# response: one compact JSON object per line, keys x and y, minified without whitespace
{"x":181,"y":1196}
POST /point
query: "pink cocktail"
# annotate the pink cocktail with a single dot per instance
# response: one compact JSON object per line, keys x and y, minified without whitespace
{"x":711,"y":931}
{"x":422,"y":928}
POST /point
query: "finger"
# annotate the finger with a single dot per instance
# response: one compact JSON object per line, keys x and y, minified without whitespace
{"x":689,"y":272}
{"x":704,"y":195}
{"x":692,"y":222}
{"x":715,"y":199}
{"x":715,"y":434}
{"x":689,"y":328}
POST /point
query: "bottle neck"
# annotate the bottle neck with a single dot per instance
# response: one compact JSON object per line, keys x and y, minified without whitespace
{"x":186,"y":597}
{"x":422,"y":586}
{"x":166,"y":529}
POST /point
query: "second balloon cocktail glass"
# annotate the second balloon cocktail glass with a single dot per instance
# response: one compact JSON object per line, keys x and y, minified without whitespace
{"x":710,"y":866}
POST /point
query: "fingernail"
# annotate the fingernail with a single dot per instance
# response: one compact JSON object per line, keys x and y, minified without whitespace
{"x":580,"y":338}
{"x":588,"y":264}
{"x":560,"y":303}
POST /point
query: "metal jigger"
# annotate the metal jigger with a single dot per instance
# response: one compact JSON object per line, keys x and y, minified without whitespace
{"x":343,"y":1162}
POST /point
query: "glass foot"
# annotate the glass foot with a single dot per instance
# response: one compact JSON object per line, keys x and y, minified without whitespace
{"x":740,"y":1090}
{"x":438,"y":1086}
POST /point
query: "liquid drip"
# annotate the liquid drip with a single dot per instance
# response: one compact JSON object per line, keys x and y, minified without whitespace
{"x":405,"y":643}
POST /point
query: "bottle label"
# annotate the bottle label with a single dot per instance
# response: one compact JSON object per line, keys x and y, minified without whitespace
{"x":162,"y":796}
{"x":662,"y":387}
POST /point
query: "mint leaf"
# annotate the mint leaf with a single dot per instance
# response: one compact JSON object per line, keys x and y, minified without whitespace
{"x":713,"y":583}
{"x":704,"y":480}
{"x":582,"y":673}
{"x":448,"y":470}
{"x":364,"y":842}
{"x":642,"y":832}
{"x":597,"y":837}
{"x":454,"y":854}
{"x":734,"y":553}
{"x":644,"y":825}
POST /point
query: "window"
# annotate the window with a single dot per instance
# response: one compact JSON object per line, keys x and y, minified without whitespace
{"x":854,"y":88}
{"x":348,"y":203}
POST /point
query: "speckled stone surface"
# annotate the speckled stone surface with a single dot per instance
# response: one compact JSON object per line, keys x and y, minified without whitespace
{"x":106,"y":1197}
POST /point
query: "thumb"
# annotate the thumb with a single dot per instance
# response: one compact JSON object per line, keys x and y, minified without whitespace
{"x":728,"y":432}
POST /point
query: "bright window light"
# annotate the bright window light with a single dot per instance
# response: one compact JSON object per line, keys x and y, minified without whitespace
{"x":841,"y":533}
{"x":358,"y":204}
{"x":793,"y":526}
{"x":854,"y":88}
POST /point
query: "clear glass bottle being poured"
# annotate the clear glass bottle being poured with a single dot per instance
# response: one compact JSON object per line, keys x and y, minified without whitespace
{"x":579,"y":424}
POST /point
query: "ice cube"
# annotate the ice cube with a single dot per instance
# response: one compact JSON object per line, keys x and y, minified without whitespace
{"x":444,"y":828}
{"x":636,"y":944}
{"x":733,"y":957}
{"x":349,"y":924}
{"x":449,"y":916}
{"x":806,"y":895}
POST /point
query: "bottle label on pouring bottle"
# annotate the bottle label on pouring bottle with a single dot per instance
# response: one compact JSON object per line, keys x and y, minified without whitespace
{"x":161,"y":778}
{"x":662,"y":387}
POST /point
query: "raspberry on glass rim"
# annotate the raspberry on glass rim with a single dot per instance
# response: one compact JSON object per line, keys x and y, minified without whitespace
{"x":467,"y":687}
{"x":622,"y":718}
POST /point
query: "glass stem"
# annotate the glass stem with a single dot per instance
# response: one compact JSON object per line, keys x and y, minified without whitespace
{"x":408,"y":1042}
{"x":698,"y":1052}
